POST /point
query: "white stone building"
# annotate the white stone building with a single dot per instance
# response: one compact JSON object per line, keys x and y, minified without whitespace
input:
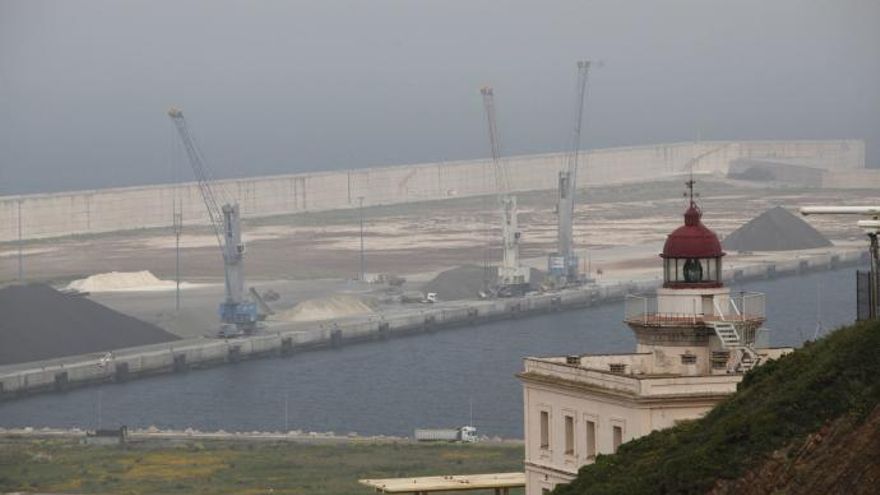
{"x":694,"y":342}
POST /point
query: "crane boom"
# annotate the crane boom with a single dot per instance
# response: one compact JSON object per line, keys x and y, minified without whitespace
{"x":501,"y":183}
{"x":574,"y":151}
{"x":198,"y":165}
{"x":563,"y":265}
{"x":237,"y":315}
{"x":512,"y":277}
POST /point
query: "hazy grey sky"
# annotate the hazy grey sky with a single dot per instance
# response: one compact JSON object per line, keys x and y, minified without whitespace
{"x":277,"y":87}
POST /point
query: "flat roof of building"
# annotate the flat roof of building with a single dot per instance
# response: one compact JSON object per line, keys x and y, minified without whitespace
{"x":451,"y":483}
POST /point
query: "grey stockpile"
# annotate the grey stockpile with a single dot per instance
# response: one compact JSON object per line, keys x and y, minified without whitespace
{"x":775,"y":230}
{"x":466,"y":282}
{"x":41,"y":323}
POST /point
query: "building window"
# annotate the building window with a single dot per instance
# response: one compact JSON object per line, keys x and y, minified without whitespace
{"x":619,"y":368}
{"x":545,"y":430}
{"x":617,"y":435}
{"x":569,"y":435}
{"x":688,"y":359}
{"x":719,"y":359}
{"x":591,"y":440}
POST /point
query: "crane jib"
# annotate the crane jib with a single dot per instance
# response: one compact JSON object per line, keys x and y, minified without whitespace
{"x":237,"y":315}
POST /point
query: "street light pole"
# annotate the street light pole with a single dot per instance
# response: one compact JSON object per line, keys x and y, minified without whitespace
{"x":20,"y":254}
{"x":873,"y":296}
{"x":363,"y":276}
{"x":872,"y":229}
{"x":178,"y":227}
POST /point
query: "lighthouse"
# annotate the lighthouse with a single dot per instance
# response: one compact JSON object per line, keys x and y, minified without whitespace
{"x":694,"y":316}
{"x":695,"y":339}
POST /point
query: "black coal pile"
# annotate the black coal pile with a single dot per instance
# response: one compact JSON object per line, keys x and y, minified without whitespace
{"x":466,"y":282}
{"x":776,"y":229}
{"x":41,"y":323}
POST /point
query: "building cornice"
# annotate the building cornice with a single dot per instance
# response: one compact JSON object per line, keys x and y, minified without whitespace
{"x":553,"y":470}
{"x":554,"y":382}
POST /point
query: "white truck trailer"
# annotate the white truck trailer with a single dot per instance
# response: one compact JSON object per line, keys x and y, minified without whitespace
{"x":463,"y":434}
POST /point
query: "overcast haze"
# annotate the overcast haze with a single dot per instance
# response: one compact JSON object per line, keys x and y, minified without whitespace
{"x":280,"y":87}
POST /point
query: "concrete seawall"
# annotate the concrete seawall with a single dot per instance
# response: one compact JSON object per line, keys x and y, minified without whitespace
{"x":74,"y":371}
{"x":42,"y":216}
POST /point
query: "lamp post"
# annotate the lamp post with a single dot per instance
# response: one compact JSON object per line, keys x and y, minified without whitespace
{"x":363,"y":276}
{"x":872,"y":229}
{"x":20,"y":253}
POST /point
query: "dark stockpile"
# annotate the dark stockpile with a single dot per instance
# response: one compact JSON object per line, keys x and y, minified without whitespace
{"x":775,"y":230}
{"x":466,"y":282}
{"x":41,"y":323}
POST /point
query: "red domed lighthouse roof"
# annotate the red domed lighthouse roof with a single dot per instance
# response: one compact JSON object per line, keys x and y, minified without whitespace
{"x":693,"y":239}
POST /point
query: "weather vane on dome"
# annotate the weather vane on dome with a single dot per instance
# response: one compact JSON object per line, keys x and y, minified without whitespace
{"x":690,"y":186}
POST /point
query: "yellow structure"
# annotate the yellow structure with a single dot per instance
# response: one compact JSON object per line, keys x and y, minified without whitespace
{"x":500,"y":482}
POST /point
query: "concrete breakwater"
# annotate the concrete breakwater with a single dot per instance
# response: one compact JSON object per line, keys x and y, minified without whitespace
{"x":126,"y":364}
{"x":44,"y":216}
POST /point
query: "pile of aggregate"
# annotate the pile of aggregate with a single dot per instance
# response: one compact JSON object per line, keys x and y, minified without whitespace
{"x":124,"y":281}
{"x":327,"y":308}
{"x":776,"y":229}
{"x":40,"y":322}
{"x":466,"y":282}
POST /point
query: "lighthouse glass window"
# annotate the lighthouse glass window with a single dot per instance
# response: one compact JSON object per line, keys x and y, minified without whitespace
{"x":693,"y":270}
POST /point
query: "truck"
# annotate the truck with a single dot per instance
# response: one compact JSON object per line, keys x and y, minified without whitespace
{"x":463,"y":434}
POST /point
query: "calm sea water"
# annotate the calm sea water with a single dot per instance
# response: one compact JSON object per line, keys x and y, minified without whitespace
{"x":395,"y":386}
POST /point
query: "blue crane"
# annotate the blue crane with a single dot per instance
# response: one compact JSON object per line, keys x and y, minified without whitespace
{"x":238,"y":316}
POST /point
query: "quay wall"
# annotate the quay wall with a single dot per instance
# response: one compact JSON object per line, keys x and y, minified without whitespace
{"x":42,"y":216}
{"x":74,"y":371}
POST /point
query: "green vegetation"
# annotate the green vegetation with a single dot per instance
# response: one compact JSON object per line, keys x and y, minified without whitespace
{"x":777,"y":403}
{"x":243,"y":467}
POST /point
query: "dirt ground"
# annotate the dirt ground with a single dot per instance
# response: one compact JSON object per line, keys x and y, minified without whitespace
{"x":423,"y":237}
{"x":619,"y":231}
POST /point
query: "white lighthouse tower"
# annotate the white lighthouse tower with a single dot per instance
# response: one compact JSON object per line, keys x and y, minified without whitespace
{"x":694,"y":342}
{"x":694,"y":314}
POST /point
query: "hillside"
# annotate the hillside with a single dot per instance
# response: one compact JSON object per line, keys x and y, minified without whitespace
{"x":807,"y":423}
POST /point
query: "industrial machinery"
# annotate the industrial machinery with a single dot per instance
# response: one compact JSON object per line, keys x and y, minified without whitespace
{"x":513,"y":278}
{"x":562,"y":266}
{"x":238,"y":316}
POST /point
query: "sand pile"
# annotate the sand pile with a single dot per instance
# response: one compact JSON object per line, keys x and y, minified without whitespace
{"x":124,"y":281}
{"x":41,"y":323}
{"x":327,"y":308}
{"x":775,"y":230}
{"x":466,"y":282}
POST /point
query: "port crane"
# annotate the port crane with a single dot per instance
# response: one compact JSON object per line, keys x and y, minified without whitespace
{"x":238,"y":316}
{"x":562,"y":266}
{"x":513,"y":278}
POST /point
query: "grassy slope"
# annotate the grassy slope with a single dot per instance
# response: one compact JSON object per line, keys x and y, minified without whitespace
{"x":218,"y":467}
{"x":779,"y":402}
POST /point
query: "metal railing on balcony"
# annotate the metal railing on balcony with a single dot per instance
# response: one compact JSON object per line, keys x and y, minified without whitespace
{"x":740,"y":307}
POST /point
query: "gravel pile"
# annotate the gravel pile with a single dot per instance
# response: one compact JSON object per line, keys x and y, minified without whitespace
{"x":41,"y":323}
{"x":327,"y":308}
{"x":125,"y":281}
{"x":776,"y":229}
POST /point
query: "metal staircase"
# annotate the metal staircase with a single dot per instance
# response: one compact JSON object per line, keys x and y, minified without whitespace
{"x":727,"y":333}
{"x":743,"y":354}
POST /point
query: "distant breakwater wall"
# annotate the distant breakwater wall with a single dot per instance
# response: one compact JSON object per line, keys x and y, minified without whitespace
{"x":126,"y":364}
{"x":42,"y":216}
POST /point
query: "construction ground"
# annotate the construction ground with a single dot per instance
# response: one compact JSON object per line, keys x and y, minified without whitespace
{"x":316,"y":256}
